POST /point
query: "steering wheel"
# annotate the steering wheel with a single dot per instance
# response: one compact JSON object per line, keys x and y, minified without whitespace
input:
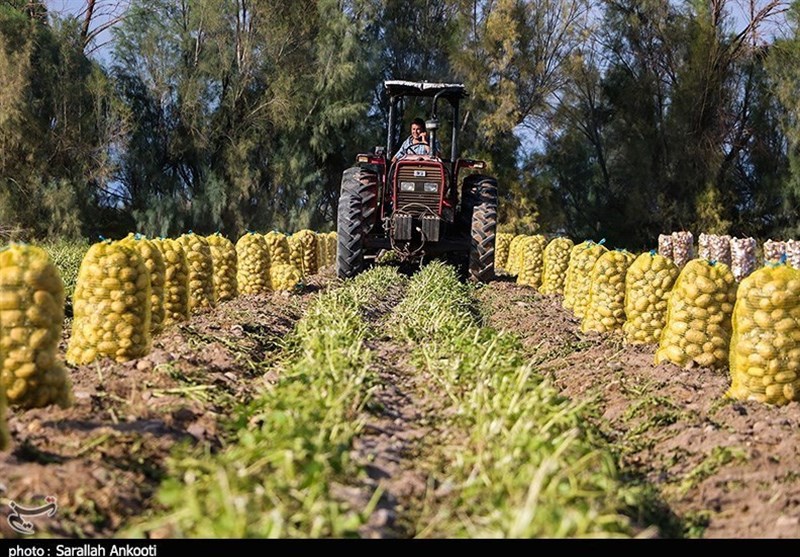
{"x":415,"y":148}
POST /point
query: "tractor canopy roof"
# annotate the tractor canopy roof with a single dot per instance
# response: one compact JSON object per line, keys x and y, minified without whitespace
{"x":449,"y":91}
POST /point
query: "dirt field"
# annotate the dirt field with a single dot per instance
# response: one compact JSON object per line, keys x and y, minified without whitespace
{"x":103,"y":458}
{"x":728,"y":469}
{"x":724,"y":469}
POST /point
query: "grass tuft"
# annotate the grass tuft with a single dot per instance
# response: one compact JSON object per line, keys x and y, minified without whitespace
{"x":528,"y":463}
{"x":293,"y":441}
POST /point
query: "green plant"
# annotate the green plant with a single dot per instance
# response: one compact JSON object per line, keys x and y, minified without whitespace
{"x":293,"y":441}
{"x":527,"y":462}
{"x":67,"y":257}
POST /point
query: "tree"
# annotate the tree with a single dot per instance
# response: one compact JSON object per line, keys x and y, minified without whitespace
{"x":55,"y":123}
{"x":243,"y":110}
{"x":669,"y":99}
{"x":783,"y":66}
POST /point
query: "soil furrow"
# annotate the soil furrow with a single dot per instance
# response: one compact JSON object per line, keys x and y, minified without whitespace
{"x":726,"y":468}
{"x":399,"y":429}
{"x":104,"y":458}
{"x":398,"y":434}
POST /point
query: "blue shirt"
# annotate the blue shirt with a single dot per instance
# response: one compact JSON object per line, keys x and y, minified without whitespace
{"x":410,"y":148}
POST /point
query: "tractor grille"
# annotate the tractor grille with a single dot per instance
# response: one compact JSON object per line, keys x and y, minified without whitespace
{"x":416,"y":202}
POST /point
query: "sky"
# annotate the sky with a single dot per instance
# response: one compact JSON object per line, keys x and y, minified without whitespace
{"x":108,"y":9}
{"x":105,"y":11}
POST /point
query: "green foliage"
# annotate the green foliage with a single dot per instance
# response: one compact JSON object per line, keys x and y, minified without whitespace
{"x":783,"y":66}
{"x":666,"y":122}
{"x":67,"y":257}
{"x":54,"y":126}
{"x":293,"y":442}
{"x":620,"y":119}
{"x":242,"y":117}
{"x":709,"y":212}
{"x":529,"y":465}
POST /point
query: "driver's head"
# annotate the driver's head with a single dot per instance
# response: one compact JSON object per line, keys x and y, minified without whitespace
{"x":417,"y":127}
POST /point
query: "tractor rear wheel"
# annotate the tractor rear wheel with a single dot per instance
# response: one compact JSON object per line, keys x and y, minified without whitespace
{"x":481,"y":198}
{"x":354,"y":219}
{"x":476,"y":189}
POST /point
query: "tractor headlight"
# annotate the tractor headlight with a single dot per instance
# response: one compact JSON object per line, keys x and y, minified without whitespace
{"x":406,"y":186}
{"x":431,"y":187}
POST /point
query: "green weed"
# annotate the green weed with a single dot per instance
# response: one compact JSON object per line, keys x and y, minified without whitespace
{"x":293,"y":440}
{"x":716,"y":459}
{"x":527,"y":463}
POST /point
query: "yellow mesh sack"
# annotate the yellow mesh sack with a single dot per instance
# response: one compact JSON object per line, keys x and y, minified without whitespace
{"x":569,"y":279}
{"x":295,"y":252}
{"x":606,"y":308}
{"x":699,"y":310}
{"x":111,"y":306}
{"x":648,"y":284}
{"x":5,"y":438}
{"x":176,"y":281}
{"x":154,"y":261}
{"x":254,"y":265}
{"x":31,"y":317}
{"x":332,"y":248}
{"x":223,"y":259}
{"x":530,"y":270}
{"x":307,"y":241}
{"x":514,"y":252}
{"x":501,"y":247}
{"x":322,"y":251}
{"x":278,"y":248}
{"x":582,"y":277}
{"x":284,"y":277}
{"x":555,"y":265}
{"x":765,"y":345}
{"x":201,"y":271}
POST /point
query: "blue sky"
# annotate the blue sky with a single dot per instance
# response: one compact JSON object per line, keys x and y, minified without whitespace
{"x":105,"y":11}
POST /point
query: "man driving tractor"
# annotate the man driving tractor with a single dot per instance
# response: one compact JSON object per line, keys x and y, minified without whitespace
{"x":417,"y":143}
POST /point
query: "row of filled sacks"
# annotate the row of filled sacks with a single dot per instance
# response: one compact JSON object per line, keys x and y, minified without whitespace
{"x":127,"y":291}
{"x":130,"y":289}
{"x":740,"y":254}
{"x":698,"y":315}
{"x":653,"y":301}
{"x":601,"y":287}
{"x":534,"y":261}
{"x":752,"y":328}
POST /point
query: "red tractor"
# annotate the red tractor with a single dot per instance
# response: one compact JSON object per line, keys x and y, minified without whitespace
{"x":420,"y":205}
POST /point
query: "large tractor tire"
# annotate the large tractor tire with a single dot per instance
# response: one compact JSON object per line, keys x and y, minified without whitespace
{"x":480,"y":199}
{"x":355,"y":217}
{"x":476,"y":189}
